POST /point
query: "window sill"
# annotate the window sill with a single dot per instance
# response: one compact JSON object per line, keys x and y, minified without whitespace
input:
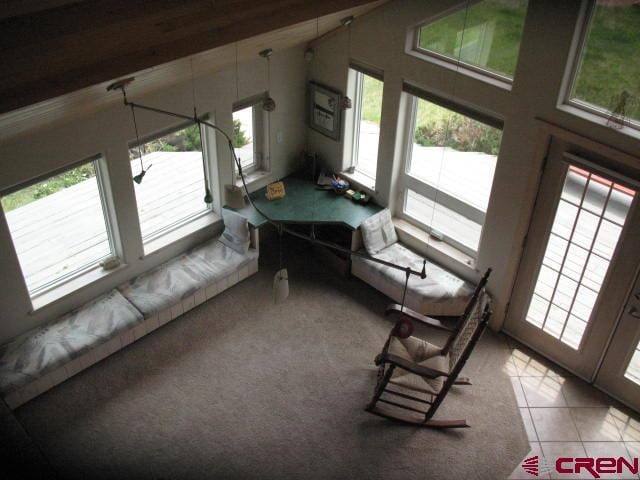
{"x":54,"y":294}
{"x":252,"y":177}
{"x":362,"y":181}
{"x":597,"y":119}
{"x":440,"y":251}
{"x":461,"y":68}
{"x":204,"y":220}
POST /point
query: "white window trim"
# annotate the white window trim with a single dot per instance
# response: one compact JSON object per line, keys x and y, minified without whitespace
{"x":92,"y":271}
{"x":260,"y":118}
{"x":153,"y":241}
{"x":575,"y":106}
{"x":355,"y":86}
{"x":407,"y":182}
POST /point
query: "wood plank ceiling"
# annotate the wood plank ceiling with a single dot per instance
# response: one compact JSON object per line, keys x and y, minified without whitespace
{"x":57,"y":62}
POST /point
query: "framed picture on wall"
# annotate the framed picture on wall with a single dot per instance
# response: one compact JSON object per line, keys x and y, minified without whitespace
{"x":325,"y":114}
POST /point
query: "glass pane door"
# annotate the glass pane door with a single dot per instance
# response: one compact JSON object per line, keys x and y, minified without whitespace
{"x":579,"y":261}
{"x":584,"y":235}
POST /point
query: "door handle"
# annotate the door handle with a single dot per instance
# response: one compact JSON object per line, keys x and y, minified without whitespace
{"x":633,"y":311}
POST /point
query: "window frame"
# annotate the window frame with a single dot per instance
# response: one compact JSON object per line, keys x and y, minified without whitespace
{"x":440,"y":59}
{"x":99,"y":165}
{"x":409,"y":181}
{"x":150,"y":239}
{"x":260,"y":122}
{"x":581,"y":36}
{"x":352,"y":125}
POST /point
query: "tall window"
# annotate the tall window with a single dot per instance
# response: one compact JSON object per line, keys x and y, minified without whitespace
{"x":449,"y":172}
{"x":589,"y":220}
{"x":485,"y":36}
{"x":172,"y":191}
{"x":58,"y":226}
{"x":608,"y":67}
{"x":248,"y":135}
{"x":367,"y":110}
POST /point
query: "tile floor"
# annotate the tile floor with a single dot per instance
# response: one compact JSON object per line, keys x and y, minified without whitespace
{"x":564,"y":416}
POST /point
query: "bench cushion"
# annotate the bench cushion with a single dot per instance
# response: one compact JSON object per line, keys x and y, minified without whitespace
{"x":163,"y":286}
{"x":441,"y":293}
{"x":214,"y":260}
{"x":181,"y":277}
{"x":41,"y":350}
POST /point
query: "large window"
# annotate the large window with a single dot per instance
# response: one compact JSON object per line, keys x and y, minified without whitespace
{"x":607,"y":68}
{"x":172,"y":191}
{"x":248,"y":135}
{"x":485,"y":36}
{"x":58,"y":226}
{"x":449,"y":172}
{"x":367,"y":110}
{"x":587,"y":226}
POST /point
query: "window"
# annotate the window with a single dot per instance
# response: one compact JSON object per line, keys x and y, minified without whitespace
{"x":172,"y":191}
{"x":58,"y":226}
{"x":607,"y":68}
{"x":588,"y":223}
{"x":486,"y":35}
{"x":248,"y":135}
{"x":450,"y":165}
{"x":367,"y":109}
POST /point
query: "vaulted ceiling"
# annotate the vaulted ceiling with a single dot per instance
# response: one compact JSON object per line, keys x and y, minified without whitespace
{"x":57,"y":62}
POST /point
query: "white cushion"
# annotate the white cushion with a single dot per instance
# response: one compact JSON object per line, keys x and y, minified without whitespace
{"x":164,"y":286}
{"x":378,"y":232}
{"x":214,"y":260}
{"x":424,"y":354}
{"x":43,"y":349}
{"x":441,"y":293}
{"x":236,"y":232}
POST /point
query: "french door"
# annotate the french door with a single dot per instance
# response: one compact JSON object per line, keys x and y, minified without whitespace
{"x":579,"y":262}
{"x":619,"y":373}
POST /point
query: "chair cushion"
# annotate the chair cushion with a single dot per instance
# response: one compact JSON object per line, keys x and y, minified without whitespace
{"x":236,"y":232}
{"x":215,"y":260}
{"x":423,"y":353}
{"x":164,"y":286}
{"x":43,"y":349}
{"x":378,"y":232}
{"x":440,"y":293}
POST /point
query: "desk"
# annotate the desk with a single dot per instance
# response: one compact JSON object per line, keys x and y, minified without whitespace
{"x":304,"y":204}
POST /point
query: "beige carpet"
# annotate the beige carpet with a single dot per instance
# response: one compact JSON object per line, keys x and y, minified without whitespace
{"x":240,"y":388}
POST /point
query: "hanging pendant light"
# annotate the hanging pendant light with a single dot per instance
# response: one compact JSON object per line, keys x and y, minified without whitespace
{"x":268,"y":104}
{"x":281,"y":278}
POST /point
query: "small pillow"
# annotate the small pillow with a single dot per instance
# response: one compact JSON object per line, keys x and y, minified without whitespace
{"x":236,"y":232}
{"x":378,"y":232}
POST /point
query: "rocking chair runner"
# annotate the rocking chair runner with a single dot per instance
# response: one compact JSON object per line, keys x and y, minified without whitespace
{"x":425,"y":371}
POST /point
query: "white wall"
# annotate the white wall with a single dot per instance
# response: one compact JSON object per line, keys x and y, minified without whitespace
{"x":109,"y":132}
{"x":378,"y":40}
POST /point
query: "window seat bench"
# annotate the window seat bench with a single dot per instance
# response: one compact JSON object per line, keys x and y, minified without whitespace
{"x":441,"y":293}
{"x":45,"y":356}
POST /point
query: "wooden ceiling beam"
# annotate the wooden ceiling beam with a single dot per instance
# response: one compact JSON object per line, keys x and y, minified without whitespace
{"x":53,"y":52}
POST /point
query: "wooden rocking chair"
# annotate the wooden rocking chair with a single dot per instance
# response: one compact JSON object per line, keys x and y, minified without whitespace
{"x":422,"y":373}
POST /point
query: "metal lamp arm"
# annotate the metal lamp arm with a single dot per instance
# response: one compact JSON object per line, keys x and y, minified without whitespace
{"x":279,"y":225}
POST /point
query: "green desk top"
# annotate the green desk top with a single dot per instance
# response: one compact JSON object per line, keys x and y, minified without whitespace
{"x":303,"y":203}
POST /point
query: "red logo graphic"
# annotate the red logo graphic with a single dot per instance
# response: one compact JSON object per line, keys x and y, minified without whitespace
{"x":530,"y":465}
{"x":594,"y":466}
